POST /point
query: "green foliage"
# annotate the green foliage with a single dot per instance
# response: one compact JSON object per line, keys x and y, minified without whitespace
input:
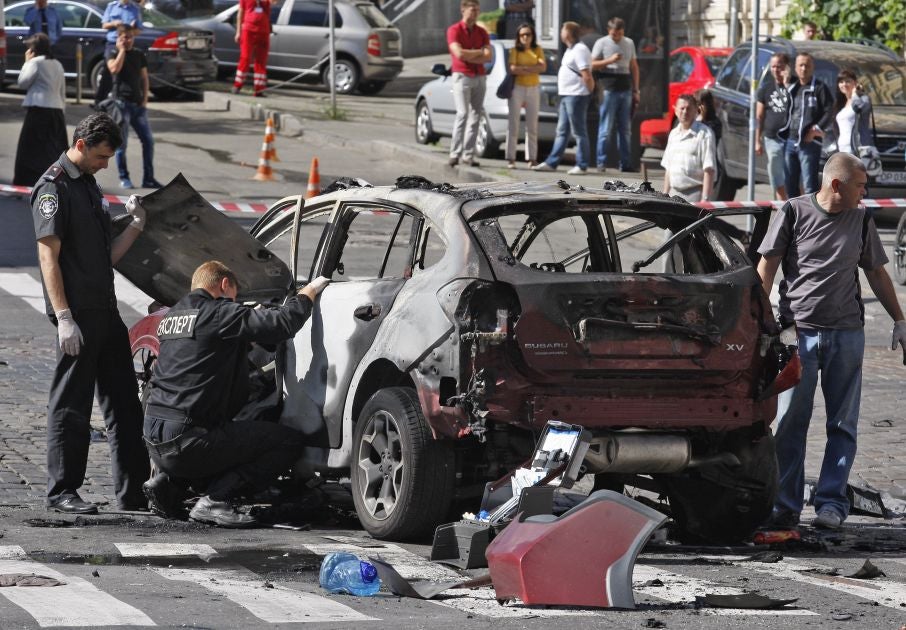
{"x":880,"y":20}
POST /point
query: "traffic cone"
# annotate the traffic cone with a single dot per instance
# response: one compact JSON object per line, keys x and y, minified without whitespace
{"x":314,"y":180}
{"x":264,"y":172}
{"x":270,"y":141}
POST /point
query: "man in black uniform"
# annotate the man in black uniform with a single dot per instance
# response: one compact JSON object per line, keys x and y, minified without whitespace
{"x":199,"y":384}
{"x":76,"y":253}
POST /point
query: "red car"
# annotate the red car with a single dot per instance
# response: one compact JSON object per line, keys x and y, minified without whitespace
{"x":691,"y":68}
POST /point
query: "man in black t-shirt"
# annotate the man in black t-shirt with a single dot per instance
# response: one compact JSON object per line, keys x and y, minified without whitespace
{"x":130,"y":86}
{"x":772,"y":110}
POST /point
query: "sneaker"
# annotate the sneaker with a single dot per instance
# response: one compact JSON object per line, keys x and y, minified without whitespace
{"x":828,"y":519}
{"x":152,"y":183}
{"x":543,"y":166}
{"x":126,"y":184}
{"x":453,"y":161}
{"x":165,"y":497}
{"x":782,"y":520}
{"x":601,"y":169}
{"x":577,"y":170}
{"x":511,"y":165}
{"x":220,"y":513}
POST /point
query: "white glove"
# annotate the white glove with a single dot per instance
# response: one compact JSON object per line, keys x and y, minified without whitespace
{"x":899,"y":335}
{"x":68,"y":332}
{"x":139,"y":216}
{"x":317,"y":285}
{"x":789,"y":336}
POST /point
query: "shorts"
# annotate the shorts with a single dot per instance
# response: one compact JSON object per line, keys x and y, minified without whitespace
{"x":773,"y":149}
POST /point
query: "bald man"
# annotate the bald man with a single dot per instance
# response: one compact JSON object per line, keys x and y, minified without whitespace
{"x":820,"y":240}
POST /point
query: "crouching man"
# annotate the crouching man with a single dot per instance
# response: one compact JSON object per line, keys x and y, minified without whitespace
{"x":200,"y":382}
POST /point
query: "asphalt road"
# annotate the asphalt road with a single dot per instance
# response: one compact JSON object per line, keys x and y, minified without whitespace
{"x":132,"y":569}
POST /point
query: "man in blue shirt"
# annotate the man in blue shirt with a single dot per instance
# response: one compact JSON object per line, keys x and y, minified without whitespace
{"x":41,"y":18}
{"x":120,"y":12}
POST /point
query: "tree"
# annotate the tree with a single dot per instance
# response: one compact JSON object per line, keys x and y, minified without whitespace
{"x":880,"y":20}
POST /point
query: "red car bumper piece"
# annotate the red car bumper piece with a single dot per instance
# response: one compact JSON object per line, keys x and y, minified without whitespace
{"x":583,"y":558}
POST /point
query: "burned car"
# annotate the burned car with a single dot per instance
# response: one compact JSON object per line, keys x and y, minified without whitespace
{"x":462,"y":319}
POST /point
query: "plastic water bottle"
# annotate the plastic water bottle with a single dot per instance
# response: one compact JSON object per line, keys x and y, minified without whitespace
{"x":344,"y":573}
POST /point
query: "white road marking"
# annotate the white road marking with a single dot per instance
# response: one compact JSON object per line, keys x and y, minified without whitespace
{"x":76,"y":603}
{"x":128,"y":294}
{"x":23,"y":286}
{"x":164,"y":550}
{"x":274,"y":605}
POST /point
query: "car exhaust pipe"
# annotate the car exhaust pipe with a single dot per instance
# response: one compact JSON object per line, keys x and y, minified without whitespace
{"x":638,"y":452}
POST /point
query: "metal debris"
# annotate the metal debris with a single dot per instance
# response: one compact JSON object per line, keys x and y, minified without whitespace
{"x":27,"y":579}
{"x":746,"y":600}
{"x":423,"y":183}
{"x":47,"y":522}
{"x":868,"y":571}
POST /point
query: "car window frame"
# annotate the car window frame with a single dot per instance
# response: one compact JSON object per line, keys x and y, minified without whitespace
{"x":733,"y":70}
{"x":675,"y":61}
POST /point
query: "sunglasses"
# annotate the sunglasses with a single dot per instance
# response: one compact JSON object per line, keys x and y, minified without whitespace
{"x":525,"y":34}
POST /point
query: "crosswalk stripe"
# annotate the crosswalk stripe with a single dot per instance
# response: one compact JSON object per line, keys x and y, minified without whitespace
{"x":274,"y":604}
{"x":128,"y":294}
{"x":164,"y":550}
{"x":23,"y":286}
{"x":683,"y":589}
{"x":76,"y":603}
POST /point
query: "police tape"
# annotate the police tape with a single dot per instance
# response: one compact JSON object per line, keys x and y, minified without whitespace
{"x":223,"y":206}
{"x":868,"y":203}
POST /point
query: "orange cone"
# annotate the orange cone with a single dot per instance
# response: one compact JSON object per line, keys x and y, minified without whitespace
{"x":314,"y":180}
{"x":264,"y":172}
{"x":270,"y":141}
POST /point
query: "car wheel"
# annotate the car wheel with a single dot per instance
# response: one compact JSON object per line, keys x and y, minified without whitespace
{"x":424,"y":130}
{"x":899,"y":251}
{"x":485,"y":144}
{"x":720,"y":503}
{"x":346,"y":76}
{"x":402,"y":478}
{"x":94,"y":77}
{"x":371,"y":87}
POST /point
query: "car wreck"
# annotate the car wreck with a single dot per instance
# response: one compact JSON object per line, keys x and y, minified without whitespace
{"x":462,"y":319}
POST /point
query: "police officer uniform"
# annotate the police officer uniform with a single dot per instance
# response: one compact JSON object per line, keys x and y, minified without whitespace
{"x":68,"y":203}
{"x":201,"y":381}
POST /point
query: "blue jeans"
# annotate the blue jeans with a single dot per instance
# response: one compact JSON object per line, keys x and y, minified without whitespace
{"x":615,"y":109}
{"x":837,"y":355}
{"x":573,"y":110}
{"x":801,"y":161}
{"x":136,"y":116}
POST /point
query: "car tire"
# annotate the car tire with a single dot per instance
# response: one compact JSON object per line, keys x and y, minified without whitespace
{"x":424,"y":129}
{"x":720,"y":503}
{"x":899,"y":251}
{"x":402,"y":478}
{"x":486,"y":145}
{"x":346,"y":75}
{"x":371,"y":87}
{"x":94,"y":76}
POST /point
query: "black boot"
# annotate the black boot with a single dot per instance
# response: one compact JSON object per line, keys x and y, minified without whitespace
{"x":165,"y":497}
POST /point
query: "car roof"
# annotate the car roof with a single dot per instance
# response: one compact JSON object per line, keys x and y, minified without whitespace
{"x":837,"y":52}
{"x":473,"y":198}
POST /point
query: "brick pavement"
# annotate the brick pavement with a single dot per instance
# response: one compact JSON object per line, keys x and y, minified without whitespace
{"x":25,"y":376}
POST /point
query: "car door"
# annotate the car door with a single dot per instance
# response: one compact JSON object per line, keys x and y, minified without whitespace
{"x":16,"y":32}
{"x":367,"y":249}
{"x":301,"y":35}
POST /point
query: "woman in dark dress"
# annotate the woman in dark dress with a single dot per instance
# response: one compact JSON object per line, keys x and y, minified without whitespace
{"x":43,"y":136}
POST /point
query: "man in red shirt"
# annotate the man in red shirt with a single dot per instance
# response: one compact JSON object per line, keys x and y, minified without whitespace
{"x":470,"y":49}
{"x":253,"y":31}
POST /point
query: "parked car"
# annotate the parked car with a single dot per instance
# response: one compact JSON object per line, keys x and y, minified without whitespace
{"x":691,"y":68}
{"x":881,"y":72}
{"x":181,"y":9}
{"x":177,"y":54}
{"x":2,"y":44}
{"x":461,"y":319}
{"x":368,"y":45}
{"x":435,"y":110}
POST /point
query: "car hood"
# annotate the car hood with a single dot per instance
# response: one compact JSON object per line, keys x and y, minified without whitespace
{"x":182,"y":231}
{"x":890,"y":120}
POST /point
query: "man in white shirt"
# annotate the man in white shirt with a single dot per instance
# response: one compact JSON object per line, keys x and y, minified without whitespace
{"x":688,"y":160}
{"x":574,"y":85}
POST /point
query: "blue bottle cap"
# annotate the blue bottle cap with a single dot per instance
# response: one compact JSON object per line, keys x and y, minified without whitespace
{"x":369,"y":573}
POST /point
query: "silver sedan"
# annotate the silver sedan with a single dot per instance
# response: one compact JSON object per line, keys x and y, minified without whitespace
{"x":435,"y":111}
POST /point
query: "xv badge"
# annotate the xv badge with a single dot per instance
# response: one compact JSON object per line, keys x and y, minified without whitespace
{"x":735,"y":347}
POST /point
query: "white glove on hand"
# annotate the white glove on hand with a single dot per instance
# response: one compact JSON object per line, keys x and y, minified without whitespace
{"x":69,"y":333}
{"x":789,"y":336}
{"x":899,"y":335}
{"x":317,"y":285}
{"x":139,"y":216}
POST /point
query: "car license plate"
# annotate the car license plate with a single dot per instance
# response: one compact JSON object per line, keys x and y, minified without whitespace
{"x":196,"y":43}
{"x":891,"y":177}
{"x":393,"y":46}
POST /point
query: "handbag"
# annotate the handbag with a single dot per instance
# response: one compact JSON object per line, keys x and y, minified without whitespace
{"x":113,"y":107}
{"x":505,"y":89}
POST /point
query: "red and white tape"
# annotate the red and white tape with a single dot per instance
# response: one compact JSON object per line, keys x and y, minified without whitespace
{"x":223,"y":206}
{"x":868,"y":203}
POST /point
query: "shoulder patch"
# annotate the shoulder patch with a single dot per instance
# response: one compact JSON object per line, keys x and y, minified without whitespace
{"x":53,"y":173}
{"x":48,"y":205}
{"x":178,"y":324}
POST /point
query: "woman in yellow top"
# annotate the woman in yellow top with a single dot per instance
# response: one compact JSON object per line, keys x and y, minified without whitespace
{"x":526,"y":61}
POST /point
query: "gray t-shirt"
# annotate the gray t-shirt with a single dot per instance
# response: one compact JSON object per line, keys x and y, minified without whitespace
{"x":820,"y":255}
{"x":616,"y":75}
